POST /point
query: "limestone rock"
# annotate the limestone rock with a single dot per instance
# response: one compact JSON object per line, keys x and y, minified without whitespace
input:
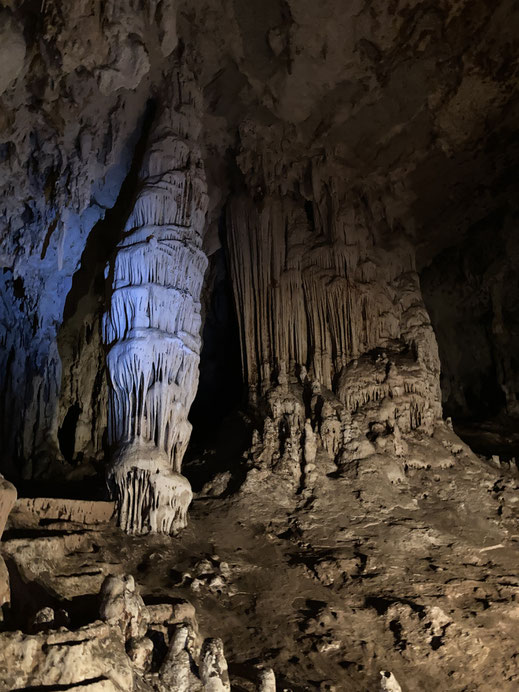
{"x":172,"y":614}
{"x":122,"y":605}
{"x":177,"y":668}
{"x":12,"y":49}
{"x":213,"y":666}
{"x":8,"y":496}
{"x":140,"y":652}
{"x":43,"y":620}
{"x":65,"y":658}
{"x":369,"y":373}
{"x":5,"y":592}
{"x":153,"y":324}
{"x":129,"y":66}
{"x":388,"y":682}
{"x":267,"y":680}
{"x":29,"y":512}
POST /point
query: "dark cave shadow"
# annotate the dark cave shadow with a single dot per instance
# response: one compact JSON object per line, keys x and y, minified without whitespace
{"x":220,"y":452}
{"x":221,"y":430}
{"x":220,"y":388}
{"x":497,"y":436}
{"x":28,"y":597}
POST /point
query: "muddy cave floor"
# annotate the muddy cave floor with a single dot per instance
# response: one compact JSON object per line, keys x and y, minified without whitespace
{"x":380,"y":566}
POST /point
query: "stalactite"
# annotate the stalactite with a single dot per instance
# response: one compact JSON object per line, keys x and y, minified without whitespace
{"x":152,"y":328}
{"x":332,"y":310}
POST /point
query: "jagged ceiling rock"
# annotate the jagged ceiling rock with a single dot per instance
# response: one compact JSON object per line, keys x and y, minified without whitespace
{"x":401,"y":90}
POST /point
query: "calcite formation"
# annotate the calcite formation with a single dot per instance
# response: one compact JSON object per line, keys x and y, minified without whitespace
{"x":213,"y":667}
{"x":114,"y":652}
{"x":122,"y":606}
{"x":152,"y":328}
{"x":337,"y":344}
{"x":8,"y":497}
{"x":267,"y":680}
{"x":7,"y":500}
{"x":177,"y":670}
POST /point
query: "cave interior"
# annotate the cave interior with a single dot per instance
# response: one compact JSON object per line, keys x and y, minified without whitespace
{"x":259,"y":329}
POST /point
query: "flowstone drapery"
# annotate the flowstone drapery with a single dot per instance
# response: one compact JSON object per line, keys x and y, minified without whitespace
{"x":152,"y":328}
{"x":338,"y":351}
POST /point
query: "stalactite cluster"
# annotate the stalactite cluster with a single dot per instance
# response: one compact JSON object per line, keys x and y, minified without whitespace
{"x":335,"y":338}
{"x":152,"y":328}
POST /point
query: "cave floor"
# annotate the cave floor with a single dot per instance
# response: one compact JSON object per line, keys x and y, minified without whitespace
{"x":371,"y":570}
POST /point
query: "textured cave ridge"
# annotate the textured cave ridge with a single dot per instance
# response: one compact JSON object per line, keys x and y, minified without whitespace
{"x":152,"y":328}
{"x":150,"y":496}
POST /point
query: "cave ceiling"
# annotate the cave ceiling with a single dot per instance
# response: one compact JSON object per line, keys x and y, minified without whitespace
{"x":423,"y":95}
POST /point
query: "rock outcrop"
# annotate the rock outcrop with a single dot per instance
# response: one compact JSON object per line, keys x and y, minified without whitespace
{"x":8,"y":496}
{"x":114,"y":653}
{"x":7,"y":500}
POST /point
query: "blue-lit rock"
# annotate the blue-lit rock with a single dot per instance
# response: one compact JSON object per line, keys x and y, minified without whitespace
{"x":152,"y":328}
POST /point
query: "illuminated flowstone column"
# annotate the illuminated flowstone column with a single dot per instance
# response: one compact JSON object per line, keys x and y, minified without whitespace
{"x":152,"y":328}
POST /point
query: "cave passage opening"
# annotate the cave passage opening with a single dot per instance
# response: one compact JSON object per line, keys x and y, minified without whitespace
{"x":470,"y":289}
{"x":220,"y":431}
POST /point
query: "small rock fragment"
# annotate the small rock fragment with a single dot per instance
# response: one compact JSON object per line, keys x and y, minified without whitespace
{"x":140,"y":652}
{"x":388,"y":682}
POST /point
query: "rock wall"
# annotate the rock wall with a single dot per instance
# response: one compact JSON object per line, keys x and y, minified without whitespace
{"x":72,"y":109}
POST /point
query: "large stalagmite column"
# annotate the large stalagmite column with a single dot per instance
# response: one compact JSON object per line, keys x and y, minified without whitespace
{"x":152,"y":328}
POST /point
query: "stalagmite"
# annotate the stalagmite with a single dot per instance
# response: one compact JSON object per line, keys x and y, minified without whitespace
{"x":213,"y":667}
{"x":388,"y":682}
{"x":152,"y":328}
{"x":176,"y":672}
{"x":122,"y":605}
{"x":267,"y":680}
{"x":8,"y":495}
